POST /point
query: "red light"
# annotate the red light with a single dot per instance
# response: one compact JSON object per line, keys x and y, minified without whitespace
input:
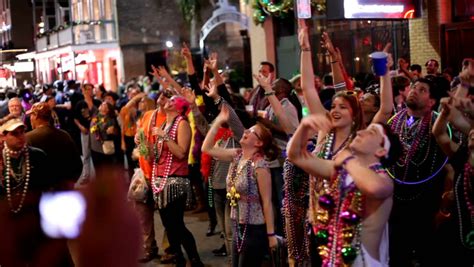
{"x":409,"y":14}
{"x":471,"y":18}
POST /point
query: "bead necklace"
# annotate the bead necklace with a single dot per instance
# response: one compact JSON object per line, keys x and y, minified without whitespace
{"x":235,"y":175}
{"x":296,"y":186}
{"x":468,"y":239}
{"x":7,"y":154}
{"x":172,"y":133}
{"x":233,"y":195}
{"x":418,"y":145}
{"x":339,"y":223}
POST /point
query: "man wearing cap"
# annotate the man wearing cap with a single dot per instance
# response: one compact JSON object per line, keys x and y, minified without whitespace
{"x":59,"y":147}
{"x":23,"y":180}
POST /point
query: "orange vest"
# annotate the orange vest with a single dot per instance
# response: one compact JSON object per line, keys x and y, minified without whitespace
{"x":144,"y":124}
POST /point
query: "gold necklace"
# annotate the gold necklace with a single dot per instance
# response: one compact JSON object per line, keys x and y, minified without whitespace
{"x":233,"y":195}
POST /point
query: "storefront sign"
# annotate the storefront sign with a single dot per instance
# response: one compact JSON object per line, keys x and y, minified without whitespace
{"x":378,"y":9}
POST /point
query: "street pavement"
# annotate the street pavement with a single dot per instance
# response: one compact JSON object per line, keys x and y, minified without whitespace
{"x":197,"y":223}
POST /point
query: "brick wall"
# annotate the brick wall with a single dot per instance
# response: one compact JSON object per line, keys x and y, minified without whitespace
{"x":424,"y":34}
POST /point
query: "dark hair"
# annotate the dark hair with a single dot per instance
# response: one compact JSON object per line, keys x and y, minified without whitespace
{"x":270,"y":65}
{"x":435,"y":61}
{"x":114,"y":96}
{"x":46,"y":87}
{"x":269,"y":148}
{"x":415,"y":67}
{"x":395,"y":147}
{"x":353,"y":100}
{"x":111,"y":112}
{"x":328,"y":80}
{"x":432,"y":86}
{"x":282,"y":86}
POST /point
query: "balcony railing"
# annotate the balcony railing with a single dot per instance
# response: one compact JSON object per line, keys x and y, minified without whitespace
{"x":81,"y":34}
{"x":42,"y":44}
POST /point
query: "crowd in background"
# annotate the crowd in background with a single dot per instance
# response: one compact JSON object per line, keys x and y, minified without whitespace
{"x":308,"y":171}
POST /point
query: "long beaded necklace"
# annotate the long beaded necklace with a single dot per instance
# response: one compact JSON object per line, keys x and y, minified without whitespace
{"x":320,"y":186}
{"x":417,"y":147}
{"x":294,"y":207}
{"x":468,"y":239}
{"x":234,"y":196}
{"x":339,"y":222}
{"x":7,"y":153}
{"x":171,"y":132}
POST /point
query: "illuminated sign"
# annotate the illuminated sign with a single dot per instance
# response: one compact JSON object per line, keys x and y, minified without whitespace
{"x":378,"y":9}
{"x":24,"y":66}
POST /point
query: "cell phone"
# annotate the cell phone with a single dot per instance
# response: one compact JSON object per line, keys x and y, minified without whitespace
{"x":303,"y":9}
{"x":62,"y":214}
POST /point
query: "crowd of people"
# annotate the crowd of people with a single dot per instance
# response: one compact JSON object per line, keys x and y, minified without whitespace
{"x":373,"y":171}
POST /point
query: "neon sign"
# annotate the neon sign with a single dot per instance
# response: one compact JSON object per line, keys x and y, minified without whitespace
{"x":384,"y":9}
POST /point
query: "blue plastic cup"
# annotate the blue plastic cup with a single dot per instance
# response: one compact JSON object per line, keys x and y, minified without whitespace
{"x":379,"y":61}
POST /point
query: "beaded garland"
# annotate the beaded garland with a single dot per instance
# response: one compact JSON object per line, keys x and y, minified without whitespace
{"x":295,"y":203}
{"x":234,"y":197}
{"x":171,"y":132}
{"x":339,"y":220}
{"x":417,"y":146}
{"x":467,"y":240}
{"x":23,"y":177}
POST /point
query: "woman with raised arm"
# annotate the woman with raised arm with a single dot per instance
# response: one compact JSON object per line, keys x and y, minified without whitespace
{"x":249,"y":190}
{"x":169,"y":180}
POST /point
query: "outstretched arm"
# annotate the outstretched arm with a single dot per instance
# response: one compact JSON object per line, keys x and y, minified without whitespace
{"x":386,"y":95}
{"x":307,"y":74}
{"x":208,"y":144}
{"x":440,"y":130}
{"x":297,"y":152}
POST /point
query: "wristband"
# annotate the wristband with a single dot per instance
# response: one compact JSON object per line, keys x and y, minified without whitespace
{"x":335,"y":61}
{"x":305,"y":49}
{"x":271,"y":234}
{"x":346,"y":160}
{"x":269,"y":93}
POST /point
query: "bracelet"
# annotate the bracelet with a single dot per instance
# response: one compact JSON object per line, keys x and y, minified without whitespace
{"x":218,"y":101}
{"x":335,"y":61}
{"x":305,"y":49}
{"x":269,"y":93}
{"x":271,"y":234}
{"x":465,"y":85}
{"x":346,"y":160}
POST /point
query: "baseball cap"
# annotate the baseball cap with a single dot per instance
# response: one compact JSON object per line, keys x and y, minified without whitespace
{"x":11,"y":125}
{"x":41,"y":110}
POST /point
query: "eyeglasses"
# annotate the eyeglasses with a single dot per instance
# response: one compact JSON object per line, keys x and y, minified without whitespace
{"x":254,"y":131}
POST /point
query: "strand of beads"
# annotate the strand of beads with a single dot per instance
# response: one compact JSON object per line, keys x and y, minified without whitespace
{"x":169,"y":159}
{"x":467,"y":186}
{"x":8,"y":153}
{"x":296,"y":186}
{"x":241,"y":238}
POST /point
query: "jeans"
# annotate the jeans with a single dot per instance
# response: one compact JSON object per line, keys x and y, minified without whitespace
{"x":277,"y":198}
{"x":172,"y":217}
{"x":129,"y":146}
{"x":254,"y":248}
{"x":86,"y":157}
{"x":145,"y":214}
{"x":223,"y":218}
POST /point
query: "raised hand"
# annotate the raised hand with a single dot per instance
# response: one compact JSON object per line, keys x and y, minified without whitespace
{"x":213,"y":61}
{"x":264,"y":82}
{"x":155,"y":72}
{"x":163,"y":72}
{"x":303,"y":38}
{"x":212,"y":90}
{"x":327,"y":43}
{"x":185,"y":52}
{"x":317,"y":122}
{"x":189,"y":95}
